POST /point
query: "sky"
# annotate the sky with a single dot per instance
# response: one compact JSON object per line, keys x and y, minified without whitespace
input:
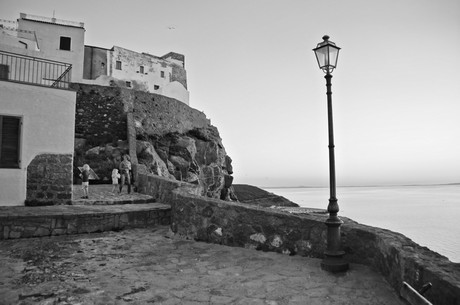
{"x":251,"y":70}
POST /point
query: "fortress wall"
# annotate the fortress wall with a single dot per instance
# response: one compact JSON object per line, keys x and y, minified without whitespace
{"x":99,"y":113}
{"x":392,"y":254}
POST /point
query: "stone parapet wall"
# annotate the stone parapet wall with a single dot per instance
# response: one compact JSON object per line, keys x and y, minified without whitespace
{"x":400,"y":259}
{"x":392,"y":254}
{"x":55,"y":222}
{"x":49,"y":180}
{"x":241,"y":225}
{"x":161,"y":189}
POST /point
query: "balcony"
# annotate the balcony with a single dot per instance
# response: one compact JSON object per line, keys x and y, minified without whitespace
{"x":34,"y":71}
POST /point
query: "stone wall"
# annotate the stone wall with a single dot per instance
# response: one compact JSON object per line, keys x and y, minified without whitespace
{"x":161,"y":189}
{"x":49,"y":180}
{"x":392,"y":254}
{"x":400,"y":259}
{"x":156,"y":114}
{"x":50,"y":222}
{"x":100,"y":114}
{"x":240,"y":225}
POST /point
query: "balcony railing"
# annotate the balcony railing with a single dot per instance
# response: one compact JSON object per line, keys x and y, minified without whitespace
{"x":35,"y":71}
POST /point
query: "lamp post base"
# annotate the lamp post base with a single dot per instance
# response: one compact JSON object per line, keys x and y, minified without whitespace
{"x":333,"y":257}
{"x":334,"y":264}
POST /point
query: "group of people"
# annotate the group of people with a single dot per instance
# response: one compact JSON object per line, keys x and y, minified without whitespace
{"x":123,"y":172}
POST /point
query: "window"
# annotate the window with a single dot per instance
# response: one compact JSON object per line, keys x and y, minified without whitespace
{"x":10,"y":132}
{"x":141,"y":69}
{"x":4,"y":69}
{"x":156,"y":87}
{"x":163,"y":74}
{"x":128,"y":84}
{"x":118,"y":65}
{"x":65,"y":43}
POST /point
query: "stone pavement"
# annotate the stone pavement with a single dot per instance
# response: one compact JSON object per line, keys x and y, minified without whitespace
{"x":101,"y":194}
{"x":152,"y":266}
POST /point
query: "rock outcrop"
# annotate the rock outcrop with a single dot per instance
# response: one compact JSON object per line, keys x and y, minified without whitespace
{"x":253,"y":195}
{"x":171,"y":139}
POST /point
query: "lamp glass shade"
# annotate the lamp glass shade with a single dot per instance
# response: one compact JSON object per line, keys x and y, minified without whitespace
{"x":327,"y":55}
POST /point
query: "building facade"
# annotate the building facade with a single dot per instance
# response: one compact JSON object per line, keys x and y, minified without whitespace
{"x":37,"y":123}
{"x":37,"y":109}
{"x":46,"y":38}
{"x":165,"y":75}
{"x":63,"y":41}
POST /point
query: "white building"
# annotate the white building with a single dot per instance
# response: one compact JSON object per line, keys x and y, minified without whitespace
{"x":37,"y":123}
{"x":46,"y":38}
{"x":34,"y":121}
{"x":163,"y":75}
{"x":63,"y":41}
{"x":37,"y":111}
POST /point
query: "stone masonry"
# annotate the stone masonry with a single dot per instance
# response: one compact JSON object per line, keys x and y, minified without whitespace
{"x":24,"y":222}
{"x":49,"y":180}
{"x":392,"y":254}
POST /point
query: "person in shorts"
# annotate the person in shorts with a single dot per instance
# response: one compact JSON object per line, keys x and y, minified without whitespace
{"x":125,"y":169}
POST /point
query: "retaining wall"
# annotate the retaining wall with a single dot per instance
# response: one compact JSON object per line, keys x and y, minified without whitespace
{"x":161,"y":189}
{"x":22,"y":222}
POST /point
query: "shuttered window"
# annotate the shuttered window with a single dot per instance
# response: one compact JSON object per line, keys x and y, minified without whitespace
{"x":10,"y":133}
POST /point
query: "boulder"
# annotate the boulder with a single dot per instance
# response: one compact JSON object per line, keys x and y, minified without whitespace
{"x":228,"y":165}
{"x":184,"y":147}
{"x":93,"y":151}
{"x":79,"y":144}
{"x":206,"y":152}
{"x":147,"y":155}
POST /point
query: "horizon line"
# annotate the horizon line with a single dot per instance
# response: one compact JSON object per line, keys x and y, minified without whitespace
{"x":373,"y":185}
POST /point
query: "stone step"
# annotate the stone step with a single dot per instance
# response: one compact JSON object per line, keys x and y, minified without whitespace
{"x":103,"y":195}
{"x":113,"y":201}
{"x":24,"y":222}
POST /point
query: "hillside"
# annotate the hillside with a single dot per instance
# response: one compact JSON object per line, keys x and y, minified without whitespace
{"x":253,"y":195}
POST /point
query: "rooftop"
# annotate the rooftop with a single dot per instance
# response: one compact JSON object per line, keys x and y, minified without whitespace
{"x":52,"y":20}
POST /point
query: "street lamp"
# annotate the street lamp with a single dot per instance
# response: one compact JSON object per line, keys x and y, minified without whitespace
{"x":327,"y":54}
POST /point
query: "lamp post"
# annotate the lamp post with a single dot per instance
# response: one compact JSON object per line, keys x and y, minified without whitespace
{"x":327,"y":54}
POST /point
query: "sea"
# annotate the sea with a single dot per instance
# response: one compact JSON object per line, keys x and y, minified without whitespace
{"x":427,"y":214}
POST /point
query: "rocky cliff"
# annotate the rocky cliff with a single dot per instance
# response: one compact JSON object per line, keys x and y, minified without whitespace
{"x":169,"y":138}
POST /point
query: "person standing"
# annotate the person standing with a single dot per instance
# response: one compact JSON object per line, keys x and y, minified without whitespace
{"x":125,"y":169}
{"x":115,"y":177}
{"x":85,"y":181}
